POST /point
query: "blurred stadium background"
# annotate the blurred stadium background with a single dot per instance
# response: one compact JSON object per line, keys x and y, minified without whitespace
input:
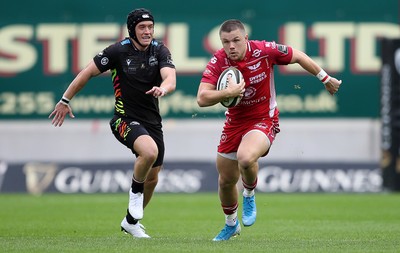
{"x":326,"y":144}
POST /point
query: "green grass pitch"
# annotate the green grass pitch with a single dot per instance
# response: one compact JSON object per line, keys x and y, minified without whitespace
{"x":188,"y":222}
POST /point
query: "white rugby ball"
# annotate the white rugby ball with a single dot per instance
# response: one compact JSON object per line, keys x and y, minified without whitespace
{"x":236,"y":77}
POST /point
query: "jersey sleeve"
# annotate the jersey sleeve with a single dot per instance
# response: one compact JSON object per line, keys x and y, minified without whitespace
{"x":106,"y":59}
{"x":212,"y":71}
{"x":279,"y":54}
{"x":165,"y":58}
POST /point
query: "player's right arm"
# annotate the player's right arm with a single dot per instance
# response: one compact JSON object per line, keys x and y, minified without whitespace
{"x":62,"y":109}
{"x":81,"y":79}
{"x":207,"y":95}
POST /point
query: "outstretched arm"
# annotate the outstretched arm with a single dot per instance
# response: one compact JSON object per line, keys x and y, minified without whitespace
{"x":331,"y":84}
{"x":63,"y":108}
{"x":168,"y":84}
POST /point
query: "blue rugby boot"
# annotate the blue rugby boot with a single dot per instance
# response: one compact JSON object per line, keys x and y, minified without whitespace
{"x":228,"y":231}
{"x":249,"y":210}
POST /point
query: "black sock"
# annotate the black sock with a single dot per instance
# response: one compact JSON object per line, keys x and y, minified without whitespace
{"x":129,"y":218}
{"x":137,"y":186}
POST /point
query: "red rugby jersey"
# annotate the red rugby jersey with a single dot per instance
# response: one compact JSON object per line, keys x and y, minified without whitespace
{"x":257,"y":67}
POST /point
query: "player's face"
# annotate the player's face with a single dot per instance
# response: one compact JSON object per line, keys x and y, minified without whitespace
{"x":145,"y":32}
{"x":234,"y":44}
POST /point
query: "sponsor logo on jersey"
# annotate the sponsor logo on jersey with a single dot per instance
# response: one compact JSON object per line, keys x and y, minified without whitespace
{"x":223,"y":137}
{"x":153,"y":61}
{"x":256,"y":53}
{"x":104,"y":61}
{"x":126,"y":41}
{"x":255,"y":66}
{"x":169,"y":60}
{"x":261,"y":125}
{"x":257,"y":78}
{"x":270,"y":44}
{"x":134,"y":123}
{"x":282,"y":48}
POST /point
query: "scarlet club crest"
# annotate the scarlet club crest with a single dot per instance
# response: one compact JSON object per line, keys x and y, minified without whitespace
{"x":250,"y":92}
{"x":255,"y":66}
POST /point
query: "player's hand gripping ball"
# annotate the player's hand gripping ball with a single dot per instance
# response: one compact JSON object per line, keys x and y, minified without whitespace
{"x":236,"y":77}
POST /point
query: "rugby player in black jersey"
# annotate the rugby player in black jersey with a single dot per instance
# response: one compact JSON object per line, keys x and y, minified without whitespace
{"x":142,"y":70}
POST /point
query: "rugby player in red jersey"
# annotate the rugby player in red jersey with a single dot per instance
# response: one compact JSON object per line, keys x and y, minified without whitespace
{"x":251,"y":126}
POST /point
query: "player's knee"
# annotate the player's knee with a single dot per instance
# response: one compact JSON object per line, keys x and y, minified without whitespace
{"x":227,"y":182}
{"x":150,"y":154}
{"x":245,"y":160}
{"x":226,"y":185}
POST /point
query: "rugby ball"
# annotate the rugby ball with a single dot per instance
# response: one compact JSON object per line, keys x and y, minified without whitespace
{"x":236,"y":76}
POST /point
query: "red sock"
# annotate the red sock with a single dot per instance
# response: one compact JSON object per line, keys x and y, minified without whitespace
{"x":229,"y":209}
{"x":250,"y":187}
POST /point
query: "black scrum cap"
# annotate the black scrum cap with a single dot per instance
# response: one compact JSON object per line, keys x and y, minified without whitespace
{"x":136,"y":16}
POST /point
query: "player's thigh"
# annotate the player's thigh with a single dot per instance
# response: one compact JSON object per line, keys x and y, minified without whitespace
{"x":145,"y":145}
{"x":254,"y":144}
{"x":228,"y":169}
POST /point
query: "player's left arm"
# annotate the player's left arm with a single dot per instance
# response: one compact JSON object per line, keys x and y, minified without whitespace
{"x":331,"y":83}
{"x":168,"y":85}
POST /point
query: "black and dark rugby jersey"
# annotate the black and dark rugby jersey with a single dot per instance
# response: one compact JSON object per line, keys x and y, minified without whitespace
{"x":134,"y":72}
